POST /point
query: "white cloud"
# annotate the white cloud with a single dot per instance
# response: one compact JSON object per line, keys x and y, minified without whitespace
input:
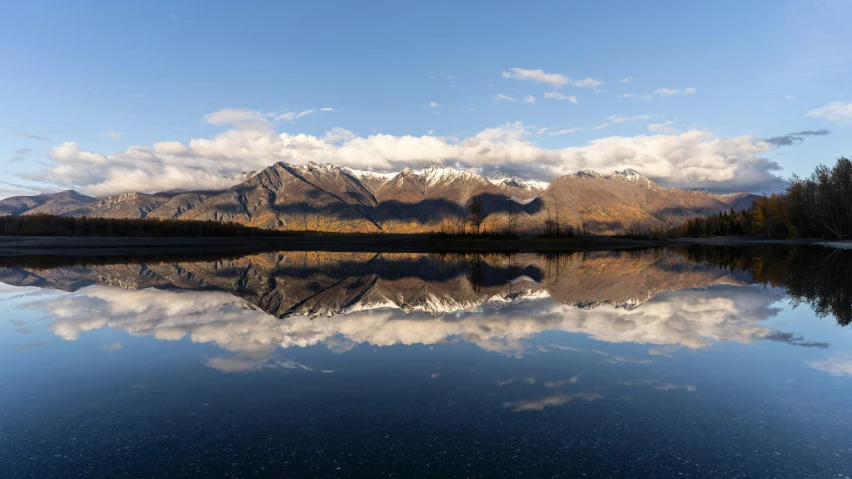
{"x":241,"y":118}
{"x":434,"y":104}
{"x":338,"y":134}
{"x":666,"y":92}
{"x":587,"y":82}
{"x":566,"y":131}
{"x":694,"y":159}
{"x":837,"y":111}
{"x":662,"y":92}
{"x":616,"y":119}
{"x":560,"y":96}
{"x":111,"y":134}
{"x":836,"y":365}
{"x":538,"y":76}
{"x":292,"y":116}
{"x":672,"y":92}
{"x":555,"y":79}
{"x":501,"y":97}
{"x":634,"y":95}
{"x":625,"y":80}
{"x":174,"y":148}
{"x":246,"y":119}
{"x":666,"y":128}
{"x":69,"y":153}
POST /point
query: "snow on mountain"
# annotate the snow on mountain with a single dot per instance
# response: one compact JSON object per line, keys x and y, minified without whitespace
{"x":357,"y":173}
{"x":627,"y":175}
{"x":431,"y":175}
{"x":631,"y":175}
{"x":500,"y":178}
{"x":361,"y":174}
{"x":437,"y":173}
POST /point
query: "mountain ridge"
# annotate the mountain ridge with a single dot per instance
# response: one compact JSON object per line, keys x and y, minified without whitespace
{"x":325,"y":197}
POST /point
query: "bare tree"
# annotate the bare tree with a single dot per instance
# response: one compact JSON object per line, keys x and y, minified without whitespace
{"x":304,"y":215}
{"x":477,"y":213}
{"x":512,"y":215}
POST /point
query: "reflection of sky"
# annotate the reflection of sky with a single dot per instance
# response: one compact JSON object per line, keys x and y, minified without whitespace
{"x":688,"y":380}
{"x":669,"y":322}
{"x":689,"y":319}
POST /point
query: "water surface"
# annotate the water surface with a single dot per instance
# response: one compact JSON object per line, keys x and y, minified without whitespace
{"x":692,"y":362}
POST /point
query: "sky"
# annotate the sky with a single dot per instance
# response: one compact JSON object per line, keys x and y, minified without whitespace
{"x":109,"y":97}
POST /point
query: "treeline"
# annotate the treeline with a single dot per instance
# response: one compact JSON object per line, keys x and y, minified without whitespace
{"x":818,"y":277}
{"x":819,"y":206}
{"x":51,"y":225}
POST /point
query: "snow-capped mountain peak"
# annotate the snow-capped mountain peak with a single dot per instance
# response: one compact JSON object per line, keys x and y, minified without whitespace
{"x":359,"y":174}
{"x":437,"y":173}
{"x":630,"y":174}
{"x":500,"y":178}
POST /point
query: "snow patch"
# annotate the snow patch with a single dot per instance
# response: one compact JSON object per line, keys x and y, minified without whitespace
{"x":500,"y":178}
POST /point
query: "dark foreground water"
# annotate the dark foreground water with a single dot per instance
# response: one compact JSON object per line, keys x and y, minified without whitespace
{"x":667,"y":363}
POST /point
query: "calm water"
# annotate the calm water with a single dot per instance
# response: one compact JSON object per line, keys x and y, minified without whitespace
{"x":687,"y":363}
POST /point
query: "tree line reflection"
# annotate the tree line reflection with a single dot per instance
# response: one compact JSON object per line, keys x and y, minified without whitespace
{"x":820,"y":278}
{"x":668,"y":299}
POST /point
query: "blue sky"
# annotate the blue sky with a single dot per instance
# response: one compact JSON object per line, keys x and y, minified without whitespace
{"x":684,"y":92}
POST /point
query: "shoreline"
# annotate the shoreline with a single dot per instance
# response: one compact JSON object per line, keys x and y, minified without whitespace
{"x":402,"y":243}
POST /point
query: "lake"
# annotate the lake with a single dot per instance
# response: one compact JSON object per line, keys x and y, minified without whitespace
{"x":689,"y":362}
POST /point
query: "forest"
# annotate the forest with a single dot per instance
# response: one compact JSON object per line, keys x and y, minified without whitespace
{"x":819,"y":206}
{"x":50,"y":225}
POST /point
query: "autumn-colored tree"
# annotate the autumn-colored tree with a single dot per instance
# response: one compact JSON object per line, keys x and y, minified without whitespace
{"x":512,"y":213}
{"x":477,"y":213}
{"x":816,"y":207}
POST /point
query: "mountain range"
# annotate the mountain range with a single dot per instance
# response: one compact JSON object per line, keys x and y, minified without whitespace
{"x":321,"y":284}
{"x":324,"y":197}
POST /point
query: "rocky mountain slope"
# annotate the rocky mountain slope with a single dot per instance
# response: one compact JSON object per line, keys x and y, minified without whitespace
{"x":56,"y":204}
{"x":323,"y":197}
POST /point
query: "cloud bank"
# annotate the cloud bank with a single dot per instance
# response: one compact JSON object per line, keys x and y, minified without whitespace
{"x":691,"y":159}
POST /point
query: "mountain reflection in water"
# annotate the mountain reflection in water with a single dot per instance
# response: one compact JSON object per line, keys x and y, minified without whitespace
{"x":252,"y":305}
{"x":680,"y":362}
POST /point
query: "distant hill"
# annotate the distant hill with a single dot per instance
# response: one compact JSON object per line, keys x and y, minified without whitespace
{"x":323,"y":197}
